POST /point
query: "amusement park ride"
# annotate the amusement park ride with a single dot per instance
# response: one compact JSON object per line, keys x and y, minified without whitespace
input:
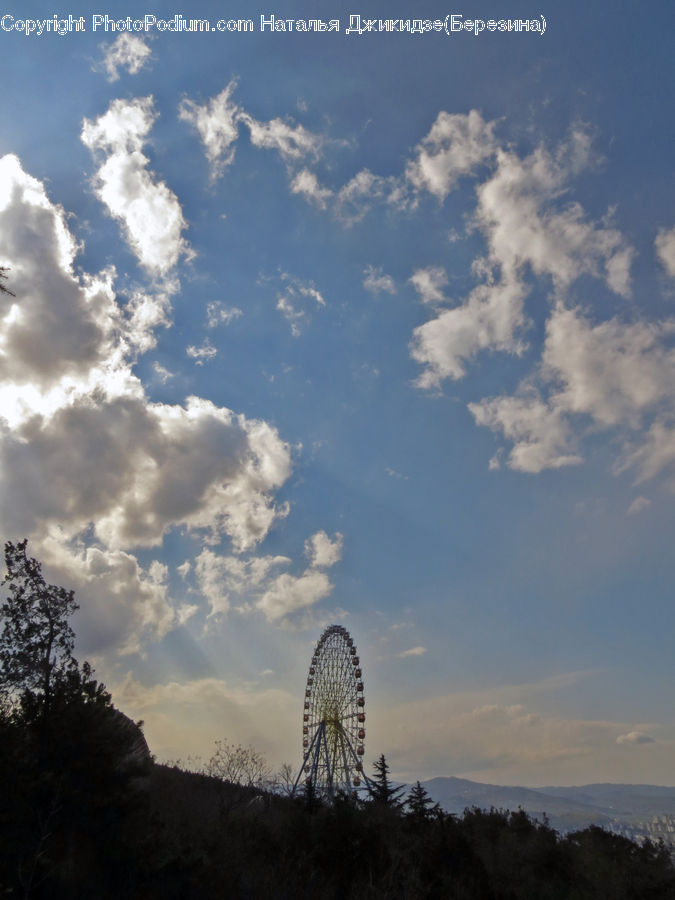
{"x":334,"y":718}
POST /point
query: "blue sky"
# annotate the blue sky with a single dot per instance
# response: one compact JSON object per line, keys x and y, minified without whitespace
{"x":371,"y":328}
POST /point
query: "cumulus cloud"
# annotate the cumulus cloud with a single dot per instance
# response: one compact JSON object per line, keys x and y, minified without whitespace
{"x":523,"y":213}
{"x":289,"y":593}
{"x":255,"y":585}
{"x":635,"y":737}
{"x":149,"y":211}
{"x":430,"y":283}
{"x":488,"y":319}
{"x":127,"y":52}
{"x":138,"y":469}
{"x":606,"y":375}
{"x":217,"y":124}
{"x":90,"y":469}
{"x":455,"y":146}
{"x":665,"y":249}
{"x":527,"y":228}
{"x":322,"y":552}
{"x":612,"y":370}
{"x":377,"y":282}
{"x":122,"y":604}
{"x":58,"y":324}
{"x":541,"y":434}
{"x":220,"y":577}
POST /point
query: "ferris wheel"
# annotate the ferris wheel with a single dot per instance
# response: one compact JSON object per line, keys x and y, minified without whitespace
{"x":334,"y":717}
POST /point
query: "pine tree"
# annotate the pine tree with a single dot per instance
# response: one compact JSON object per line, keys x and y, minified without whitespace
{"x":420,"y":806}
{"x":381,"y":789}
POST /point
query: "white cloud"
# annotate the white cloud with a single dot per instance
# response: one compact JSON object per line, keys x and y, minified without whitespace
{"x":665,"y":249}
{"x":145,"y":313}
{"x":252,"y":581}
{"x":611,"y":371}
{"x":291,"y":313}
{"x":520,"y":215}
{"x":122,"y":604}
{"x":607,"y":375}
{"x":289,"y":593}
{"x":59,"y":325}
{"x":488,"y":320}
{"x":525,"y":223}
{"x":412,"y":651}
{"x":255,"y":586}
{"x":429,"y":284}
{"x":127,"y":52}
{"x":307,"y":185}
{"x":221,"y":576}
{"x":217,"y":124}
{"x":90,"y":469}
{"x":137,"y":469}
{"x":354,"y":199}
{"x":200,"y":354}
{"x":376,"y":281}
{"x":541,"y":435}
{"x":148,"y":210}
{"x":219,"y":314}
{"x":455,"y":146}
{"x":292,"y":142}
{"x":635,"y":737}
{"x":322,"y":552}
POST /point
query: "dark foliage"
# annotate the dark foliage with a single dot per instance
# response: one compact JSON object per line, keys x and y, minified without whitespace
{"x":68,"y":758}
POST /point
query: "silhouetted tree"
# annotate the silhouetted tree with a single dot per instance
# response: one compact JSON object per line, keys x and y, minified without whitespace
{"x":284,"y":780}
{"x":68,"y":756}
{"x":419,"y":805}
{"x":36,"y":642}
{"x":239,"y":765}
{"x":381,"y":789}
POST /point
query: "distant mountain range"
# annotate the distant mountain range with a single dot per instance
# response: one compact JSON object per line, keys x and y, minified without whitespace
{"x":635,"y":810}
